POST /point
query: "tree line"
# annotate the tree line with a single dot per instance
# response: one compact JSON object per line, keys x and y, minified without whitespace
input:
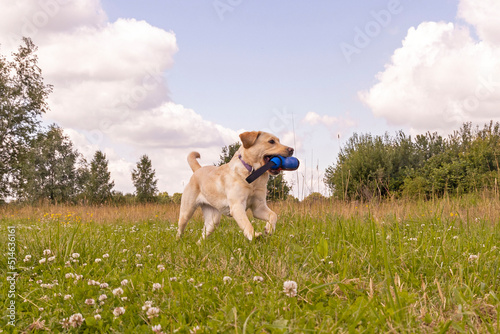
{"x":425,"y":166}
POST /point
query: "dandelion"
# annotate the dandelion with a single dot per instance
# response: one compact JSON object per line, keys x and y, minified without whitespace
{"x":124,"y":282}
{"x":118,"y":311}
{"x":47,"y":252}
{"x":97,"y":260}
{"x":290,"y":288}
{"x":156,"y":286}
{"x":153,"y":312}
{"x":227,"y":279}
{"x":102,"y":297}
{"x":42,"y":260}
{"x":105,"y":256}
{"x":160,"y":267}
{"x":118,"y":291}
{"x":90,"y":301}
{"x":156,"y":328}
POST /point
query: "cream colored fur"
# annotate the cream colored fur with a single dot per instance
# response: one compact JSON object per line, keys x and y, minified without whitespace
{"x":223,"y":190}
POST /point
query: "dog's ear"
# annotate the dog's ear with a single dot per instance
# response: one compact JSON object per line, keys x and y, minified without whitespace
{"x":249,"y":138}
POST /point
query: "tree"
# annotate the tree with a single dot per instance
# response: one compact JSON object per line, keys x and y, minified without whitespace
{"x":144,"y":180}
{"x":277,"y":187}
{"x":48,"y":169}
{"x":228,"y":153}
{"x":22,"y":101}
{"x":99,"y":186}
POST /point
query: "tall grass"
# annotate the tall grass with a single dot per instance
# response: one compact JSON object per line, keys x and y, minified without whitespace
{"x":401,"y":266}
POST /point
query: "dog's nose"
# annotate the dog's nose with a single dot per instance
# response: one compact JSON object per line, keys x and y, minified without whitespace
{"x":290,"y":151}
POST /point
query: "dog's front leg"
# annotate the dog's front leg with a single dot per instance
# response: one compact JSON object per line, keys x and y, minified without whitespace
{"x":264,"y":213}
{"x":239,"y":214}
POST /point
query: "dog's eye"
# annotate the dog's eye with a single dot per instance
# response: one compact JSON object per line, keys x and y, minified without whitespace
{"x":272,"y":142}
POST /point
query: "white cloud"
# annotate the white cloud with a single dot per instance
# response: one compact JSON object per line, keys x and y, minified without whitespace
{"x":484,"y":15}
{"x":313,"y":118}
{"x":441,"y":77}
{"x":110,"y":91}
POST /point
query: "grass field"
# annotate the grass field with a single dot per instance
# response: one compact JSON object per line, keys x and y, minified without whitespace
{"x":401,"y":267}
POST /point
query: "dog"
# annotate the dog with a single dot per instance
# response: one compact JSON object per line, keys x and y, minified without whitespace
{"x":224,"y":190}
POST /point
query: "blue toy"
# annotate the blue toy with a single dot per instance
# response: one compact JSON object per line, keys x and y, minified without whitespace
{"x":285,"y":163}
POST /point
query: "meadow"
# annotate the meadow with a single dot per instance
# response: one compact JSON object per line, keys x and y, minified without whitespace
{"x":331,"y":267}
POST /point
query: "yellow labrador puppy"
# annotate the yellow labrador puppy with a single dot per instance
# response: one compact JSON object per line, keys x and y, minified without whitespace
{"x":224,"y":190}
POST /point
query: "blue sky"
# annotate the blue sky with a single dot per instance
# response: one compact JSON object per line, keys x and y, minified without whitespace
{"x":164,"y":78}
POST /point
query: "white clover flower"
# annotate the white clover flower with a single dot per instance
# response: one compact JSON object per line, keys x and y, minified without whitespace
{"x":147,"y":305}
{"x":69,"y":275}
{"x":124,"y":282}
{"x":47,"y":286}
{"x":105,"y":256}
{"x":47,"y":252}
{"x":194,"y":330}
{"x":102,"y":297}
{"x":153,"y":312}
{"x":124,"y":299}
{"x":75,"y":255}
{"x":227,"y":279}
{"x":118,"y":291}
{"x":473,"y":257}
{"x":139,"y":265}
{"x":97,"y":260}
{"x":191,"y":280}
{"x":104,"y":285}
{"x":138,"y":256}
{"x":118,"y":311}
{"x":90,"y":301}
{"x":290,"y":288}
{"x":66,"y":297}
{"x":93,"y":283}
{"x":76,"y":320}
{"x":42,"y":260}
{"x":173,"y":279}
{"x":78,"y":277}
{"x":156,"y":286}
{"x":52,"y":258}
{"x":97,"y":317}
{"x":160,"y":267}
{"x":156,"y":328}
{"x":27,"y":258}
{"x":124,"y":250}
{"x":455,"y":237}
{"x":258,"y":279}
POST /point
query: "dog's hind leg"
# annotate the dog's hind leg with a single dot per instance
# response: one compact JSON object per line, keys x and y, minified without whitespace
{"x":188,"y":206}
{"x":212,"y":219}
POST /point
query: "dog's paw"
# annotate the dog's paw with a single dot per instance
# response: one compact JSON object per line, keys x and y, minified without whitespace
{"x":269,"y":229}
{"x":257,"y":235}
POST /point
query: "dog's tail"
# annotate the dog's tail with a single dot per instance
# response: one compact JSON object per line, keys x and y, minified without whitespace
{"x":193,"y":163}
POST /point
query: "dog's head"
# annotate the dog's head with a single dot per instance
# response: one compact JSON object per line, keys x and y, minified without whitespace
{"x":261,"y":146}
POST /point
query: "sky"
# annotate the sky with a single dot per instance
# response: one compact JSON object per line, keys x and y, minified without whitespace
{"x":164,"y":78}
